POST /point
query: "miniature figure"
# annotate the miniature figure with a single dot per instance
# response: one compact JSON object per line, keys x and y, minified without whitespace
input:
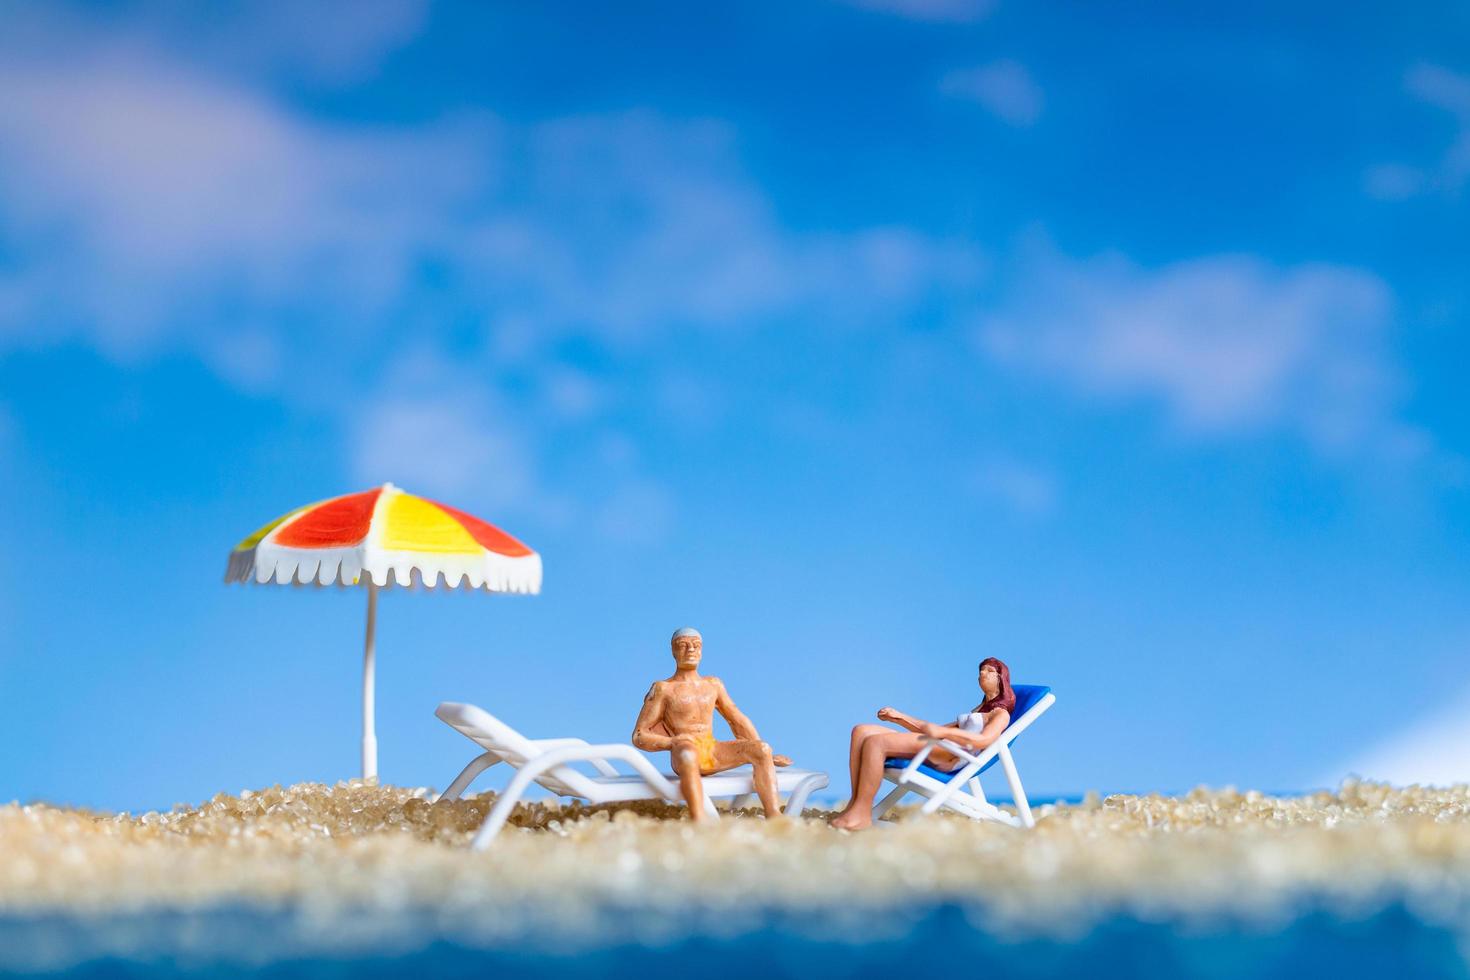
{"x":678,"y":717}
{"x":873,"y":745}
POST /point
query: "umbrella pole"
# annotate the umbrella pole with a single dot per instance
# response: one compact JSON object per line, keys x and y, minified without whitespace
{"x":369,"y":736}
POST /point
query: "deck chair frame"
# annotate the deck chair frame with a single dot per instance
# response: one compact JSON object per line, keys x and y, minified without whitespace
{"x":962,"y":792}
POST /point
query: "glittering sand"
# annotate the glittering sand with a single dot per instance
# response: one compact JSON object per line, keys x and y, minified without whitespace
{"x":357,"y":866}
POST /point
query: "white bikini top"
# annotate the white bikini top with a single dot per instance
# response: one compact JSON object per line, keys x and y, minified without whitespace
{"x":971,"y":721}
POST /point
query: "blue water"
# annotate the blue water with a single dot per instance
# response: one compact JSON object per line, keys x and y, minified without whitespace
{"x":1389,"y":945}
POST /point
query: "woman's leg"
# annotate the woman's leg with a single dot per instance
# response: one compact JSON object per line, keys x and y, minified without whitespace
{"x":876,"y":751}
{"x":859,"y":734}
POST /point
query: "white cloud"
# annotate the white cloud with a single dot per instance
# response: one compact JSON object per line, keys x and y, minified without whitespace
{"x":439,"y":427}
{"x":572,"y":394}
{"x":1449,"y":91}
{"x":144,"y":197}
{"x":315,"y":39}
{"x":942,"y":11}
{"x":155,"y":204}
{"x":671,"y":232}
{"x":1434,"y":750}
{"x":1021,"y":488}
{"x":1004,"y":87}
{"x":269,"y":41}
{"x":1395,"y":181}
{"x":1443,"y":89}
{"x":250,"y":357}
{"x":457,"y":444}
{"x":1224,"y":344}
{"x":174,"y":197}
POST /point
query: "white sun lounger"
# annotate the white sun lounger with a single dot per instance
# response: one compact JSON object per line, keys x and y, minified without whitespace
{"x":550,"y":763}
{"x":948,"y":789}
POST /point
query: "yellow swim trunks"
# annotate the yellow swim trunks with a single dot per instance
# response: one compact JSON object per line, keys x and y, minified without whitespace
{"x":704,"y":747}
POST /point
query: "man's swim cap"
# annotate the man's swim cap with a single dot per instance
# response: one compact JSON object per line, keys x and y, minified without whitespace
{"x":686,"y":631}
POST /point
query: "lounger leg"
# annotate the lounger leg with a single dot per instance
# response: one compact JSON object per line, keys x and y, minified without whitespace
{"x":1023,"y":807}
{"x":950,"y":789}
{"x":742,"y":801}
{"x":533,"y":768}
{"x":468,"y":775}
{"x":977,"y":789}
{"x":889,"y":802}
{"x":796,"y":803}
{"x":500,"y":812}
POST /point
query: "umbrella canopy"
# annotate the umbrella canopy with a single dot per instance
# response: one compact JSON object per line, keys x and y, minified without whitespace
{"x":380,"y":538}
{"x":395,"y":537}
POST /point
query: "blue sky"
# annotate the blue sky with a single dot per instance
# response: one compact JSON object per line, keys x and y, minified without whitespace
{"x":872,"y":338}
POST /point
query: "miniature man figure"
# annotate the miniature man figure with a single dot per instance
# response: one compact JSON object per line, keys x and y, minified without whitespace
{"x":678,"y":717}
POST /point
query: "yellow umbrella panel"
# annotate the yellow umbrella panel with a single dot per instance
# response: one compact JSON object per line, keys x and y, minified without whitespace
{"x":380,"y":538}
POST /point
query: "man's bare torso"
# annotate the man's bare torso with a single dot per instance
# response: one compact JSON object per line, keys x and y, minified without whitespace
{"x":688,"y":705}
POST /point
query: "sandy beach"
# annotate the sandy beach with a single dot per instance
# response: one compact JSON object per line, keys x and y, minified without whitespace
{"x":355,"y":865}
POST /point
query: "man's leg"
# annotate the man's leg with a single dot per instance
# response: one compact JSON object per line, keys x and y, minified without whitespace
{"x":686,"y":765}
{"x":728,"y":755}
{"x":764,"y":770}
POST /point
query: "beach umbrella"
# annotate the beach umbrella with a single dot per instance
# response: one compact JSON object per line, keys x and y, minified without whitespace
{"x":377,"y":539}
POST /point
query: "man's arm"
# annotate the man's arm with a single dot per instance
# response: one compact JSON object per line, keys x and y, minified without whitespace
{"x":739,"y":724}
{"x":649,"y":718}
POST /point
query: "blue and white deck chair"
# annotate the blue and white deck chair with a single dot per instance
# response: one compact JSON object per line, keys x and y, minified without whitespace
{"x":948,"y":789}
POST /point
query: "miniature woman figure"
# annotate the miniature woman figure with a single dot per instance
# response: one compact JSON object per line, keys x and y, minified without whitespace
{"x":873,"y":745}
{"x":678,"y":717}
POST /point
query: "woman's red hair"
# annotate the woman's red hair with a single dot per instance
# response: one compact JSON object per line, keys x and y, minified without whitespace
{"x":1006,"y":698}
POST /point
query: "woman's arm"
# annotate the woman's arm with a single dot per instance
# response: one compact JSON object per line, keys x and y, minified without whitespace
{"x":897,"y":717}
{"x":974,"y":741}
